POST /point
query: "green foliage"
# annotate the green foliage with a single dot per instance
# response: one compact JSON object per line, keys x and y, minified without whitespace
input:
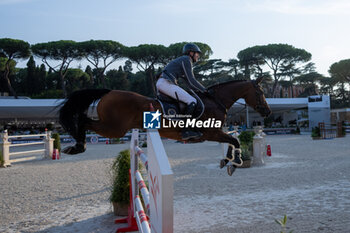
{"x":341,"y":70}
{"x":101,"y":54}
{"x":1,"y":159}
{"x":63,"y":52}
{"x":120,"y":177}
{"x":283,"y":224}
{"x":280,"y":58}
{"x":246,"y":137}
{"x":14,"y":49}
{"x":57,"y":142}
{"x":268,"y":122}
{"x":247,"y":151}
{"x":246,"y":141}
{"x":11,"y":49}
{"x":117,"y":79}
{"x":315,"y":132}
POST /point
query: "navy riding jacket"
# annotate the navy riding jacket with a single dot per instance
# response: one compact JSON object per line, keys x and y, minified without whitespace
{"x":182,"y":67}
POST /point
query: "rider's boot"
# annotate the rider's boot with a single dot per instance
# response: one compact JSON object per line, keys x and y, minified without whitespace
{"x":188,"y":133}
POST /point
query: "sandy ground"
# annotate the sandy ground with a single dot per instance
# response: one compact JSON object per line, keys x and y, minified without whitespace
{"x":307,"y":180}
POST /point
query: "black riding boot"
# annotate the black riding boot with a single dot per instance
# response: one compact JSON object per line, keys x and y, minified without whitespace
{"x":188,"y":133}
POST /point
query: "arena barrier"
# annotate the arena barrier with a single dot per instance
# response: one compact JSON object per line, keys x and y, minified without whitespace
{"x":25,"y":140}
{"x":157,"y":214}
{"x":329,"y":131}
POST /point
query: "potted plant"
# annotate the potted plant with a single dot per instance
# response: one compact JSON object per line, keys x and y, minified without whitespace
{"x":1,"y":159}
{"x":120,"y":193}
{"x":246,"y":141}
{"x":57,"y":142}
{"x":315,"y":133}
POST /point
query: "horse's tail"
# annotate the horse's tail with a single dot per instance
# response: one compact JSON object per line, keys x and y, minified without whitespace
{"x":73,"y":113}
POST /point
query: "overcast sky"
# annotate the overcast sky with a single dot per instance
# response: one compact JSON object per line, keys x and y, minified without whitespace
{"x":320,"y":27}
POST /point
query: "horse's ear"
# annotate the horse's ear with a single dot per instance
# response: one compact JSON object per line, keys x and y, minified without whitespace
{"x":258,"y":80}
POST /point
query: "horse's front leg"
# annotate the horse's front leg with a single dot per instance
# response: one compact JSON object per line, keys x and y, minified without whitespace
{"x":233,"y":154}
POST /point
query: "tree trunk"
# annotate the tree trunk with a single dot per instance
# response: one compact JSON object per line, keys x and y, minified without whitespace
{"x":8,"y":82}
{"x":151,"y":81}
{"x":63,"y":86}
{"x":274,"y":94}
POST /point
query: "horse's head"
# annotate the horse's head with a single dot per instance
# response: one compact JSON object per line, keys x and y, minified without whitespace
{"x":255,"y":98}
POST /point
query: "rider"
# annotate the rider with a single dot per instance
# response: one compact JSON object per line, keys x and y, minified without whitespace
{"x":182,"y":67}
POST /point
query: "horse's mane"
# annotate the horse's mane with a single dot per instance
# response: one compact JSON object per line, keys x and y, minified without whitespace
{"x":225,"y":83}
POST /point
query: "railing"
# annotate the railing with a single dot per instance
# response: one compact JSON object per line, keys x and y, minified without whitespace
{"x":6,"y":144}
{"x":158,"y":197}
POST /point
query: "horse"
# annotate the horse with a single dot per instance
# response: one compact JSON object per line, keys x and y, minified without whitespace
{"x":119,"y":111}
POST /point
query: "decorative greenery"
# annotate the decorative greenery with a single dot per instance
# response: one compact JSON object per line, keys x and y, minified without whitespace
{"x":315,"y":132}
{"x":1,"y":159}
{"x":246,"y":141}
{"x":283,"y":224}
{"x":120,"y":176}
{"x":57,"y":142}
{"x":246,"y":137}
{"x":246,"y":152}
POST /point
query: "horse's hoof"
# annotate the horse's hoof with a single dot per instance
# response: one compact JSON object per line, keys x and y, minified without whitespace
{"x":72,"y":150}
{"x":223,"y":163}
{"x":231,"y":169}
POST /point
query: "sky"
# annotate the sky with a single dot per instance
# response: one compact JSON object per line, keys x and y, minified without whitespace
{"x":321,"y":27}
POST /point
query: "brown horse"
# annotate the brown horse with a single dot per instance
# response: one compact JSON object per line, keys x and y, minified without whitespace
{"x":119,"y":111}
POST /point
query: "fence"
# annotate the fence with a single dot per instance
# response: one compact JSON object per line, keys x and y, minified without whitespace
{"x":158,"y":197}
{"x":5,"y":145}
{"x":329,"y":131}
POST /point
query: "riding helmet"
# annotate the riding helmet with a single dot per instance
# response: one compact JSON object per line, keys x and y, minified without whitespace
{"x":190,"y":47}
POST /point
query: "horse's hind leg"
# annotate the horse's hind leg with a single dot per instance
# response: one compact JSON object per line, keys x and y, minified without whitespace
{"x":79,"y":135}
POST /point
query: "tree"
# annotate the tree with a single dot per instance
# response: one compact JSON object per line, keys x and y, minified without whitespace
{"x":146,"y":57}
{"x":101,"y":51}
{"x":63,"y":51}
{"x":117,"y":79}
{"x":308,"y":81}
{"x":340,"y":73}
{"x":31,"y":82}
{"x":277,"y":57}
{"x":341,"y":70}
{"x":12,"y":49}
{"x":77,"y":79}
{"x":89,"y":71}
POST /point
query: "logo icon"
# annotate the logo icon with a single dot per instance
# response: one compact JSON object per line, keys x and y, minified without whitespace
{"x":151,"y":120}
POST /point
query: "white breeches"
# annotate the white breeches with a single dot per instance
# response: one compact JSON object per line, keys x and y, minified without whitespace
{"x":168,"y":88}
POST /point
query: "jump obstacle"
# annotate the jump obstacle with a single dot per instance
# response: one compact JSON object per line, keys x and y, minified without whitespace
{"x":329,"y":131}
{"x":158,"y":197}
{"x":44,"y":139}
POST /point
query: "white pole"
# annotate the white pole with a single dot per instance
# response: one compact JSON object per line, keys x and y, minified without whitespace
{"x":48,"y":145}
{"x":5,"y":149}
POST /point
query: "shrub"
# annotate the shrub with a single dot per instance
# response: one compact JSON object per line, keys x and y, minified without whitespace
{"x":246,"y":137}
{"x":316,"y":132}
{"x":246,"y":152}
{"x":57,"y":142}
{"x":120,"y":178}
{"x":1,"y":159}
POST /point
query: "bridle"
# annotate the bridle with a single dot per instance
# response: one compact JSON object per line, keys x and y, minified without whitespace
{"x":260,"y":105}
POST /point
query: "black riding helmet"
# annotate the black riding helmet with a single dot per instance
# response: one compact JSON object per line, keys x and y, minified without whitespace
{"x":190,"y":47}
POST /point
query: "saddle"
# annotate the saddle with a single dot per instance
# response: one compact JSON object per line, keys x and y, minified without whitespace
{"x":173,"y":107}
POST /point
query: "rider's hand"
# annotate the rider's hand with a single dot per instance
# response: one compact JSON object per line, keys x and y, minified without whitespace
{"x":209,"y":92}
